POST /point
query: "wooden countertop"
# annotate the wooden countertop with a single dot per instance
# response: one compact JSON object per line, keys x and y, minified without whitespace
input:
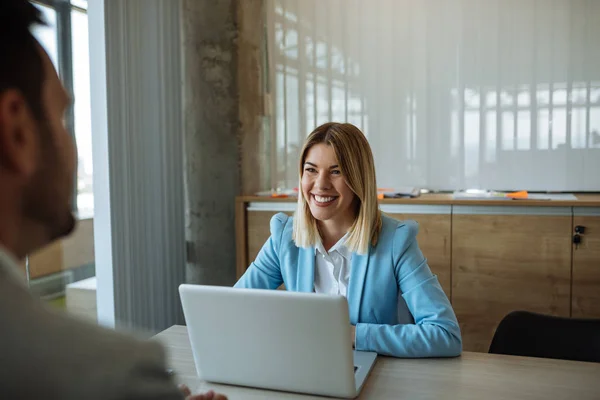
{"x":583,"y":200}
{"x":471,"y":376}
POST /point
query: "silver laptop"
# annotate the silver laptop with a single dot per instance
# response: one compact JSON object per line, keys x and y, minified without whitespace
{"x":274,"y":339}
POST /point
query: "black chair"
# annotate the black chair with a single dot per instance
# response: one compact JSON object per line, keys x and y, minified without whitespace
{"x":523,"y":333}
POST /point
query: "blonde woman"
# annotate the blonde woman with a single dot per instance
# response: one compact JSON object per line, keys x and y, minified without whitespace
{"x":339,"y":242}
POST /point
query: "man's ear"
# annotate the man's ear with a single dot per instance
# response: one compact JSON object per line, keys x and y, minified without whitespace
{"x":18,"y":134}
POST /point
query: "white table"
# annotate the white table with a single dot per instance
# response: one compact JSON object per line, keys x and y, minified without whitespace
{"x":472,"y":376}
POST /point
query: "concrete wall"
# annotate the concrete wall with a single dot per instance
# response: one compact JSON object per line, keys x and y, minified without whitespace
{"x":222,"y":120}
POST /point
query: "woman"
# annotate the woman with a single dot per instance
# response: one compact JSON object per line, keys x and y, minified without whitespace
{"x":340,"y":243}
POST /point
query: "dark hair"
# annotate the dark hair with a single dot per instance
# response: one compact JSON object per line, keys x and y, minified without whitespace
{"x":21,"y":65}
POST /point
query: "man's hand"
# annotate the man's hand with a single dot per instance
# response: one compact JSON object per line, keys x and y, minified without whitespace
{"x":353,"y":334}
{"x":210,"y":395}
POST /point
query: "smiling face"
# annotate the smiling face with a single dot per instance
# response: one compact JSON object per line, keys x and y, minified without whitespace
{"x":324,"y":187}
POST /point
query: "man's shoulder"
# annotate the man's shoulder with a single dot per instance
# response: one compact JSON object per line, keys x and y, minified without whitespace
{"x":57,"y":353}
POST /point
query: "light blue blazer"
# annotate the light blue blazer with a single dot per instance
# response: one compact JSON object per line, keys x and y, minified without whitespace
{"x":396,"y":303}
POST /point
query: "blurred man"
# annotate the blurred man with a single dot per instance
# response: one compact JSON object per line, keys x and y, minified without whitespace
{"x":45,"y":354}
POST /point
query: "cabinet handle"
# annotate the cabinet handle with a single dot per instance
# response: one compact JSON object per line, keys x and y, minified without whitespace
{"x":576,"y":240}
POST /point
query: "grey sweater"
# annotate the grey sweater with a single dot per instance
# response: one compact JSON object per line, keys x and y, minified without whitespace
{"x":45,"y":354}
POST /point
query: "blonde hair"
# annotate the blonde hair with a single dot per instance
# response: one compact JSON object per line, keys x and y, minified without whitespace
{"x":355,"y":160}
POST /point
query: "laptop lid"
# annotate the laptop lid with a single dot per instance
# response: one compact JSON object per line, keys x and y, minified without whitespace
{"x":273,"y":339}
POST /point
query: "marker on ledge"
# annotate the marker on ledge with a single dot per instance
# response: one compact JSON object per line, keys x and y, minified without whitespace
{"x":522,"y":194}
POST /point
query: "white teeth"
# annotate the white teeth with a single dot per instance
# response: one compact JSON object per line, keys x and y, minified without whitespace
{"x":321,"y":199}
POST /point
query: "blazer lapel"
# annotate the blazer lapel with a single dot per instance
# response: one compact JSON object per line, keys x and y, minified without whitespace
{"x":356,"y":285}
{"x":306,"y":269}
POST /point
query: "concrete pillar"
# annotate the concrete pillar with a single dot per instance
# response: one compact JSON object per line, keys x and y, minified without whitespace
{"x":222,"y":119}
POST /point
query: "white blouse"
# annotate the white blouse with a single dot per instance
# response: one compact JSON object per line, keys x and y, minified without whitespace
{"x":332,"y":268}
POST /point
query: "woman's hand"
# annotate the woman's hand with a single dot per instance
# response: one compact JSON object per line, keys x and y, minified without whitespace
{"x":210,"y":395}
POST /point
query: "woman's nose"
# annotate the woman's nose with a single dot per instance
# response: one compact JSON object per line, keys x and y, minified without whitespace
{"x":323,"y":181}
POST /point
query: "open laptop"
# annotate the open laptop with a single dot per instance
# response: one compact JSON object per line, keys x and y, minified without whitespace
{"x":274,"y":339}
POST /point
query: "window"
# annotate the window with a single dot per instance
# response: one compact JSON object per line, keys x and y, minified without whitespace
{"x":47,"y":35}
{"x":68,"y":266}
{"x":450,"y":96}
{"x":82,"y":110}
{"x":313,"y":85}
{"x":65,"y":39}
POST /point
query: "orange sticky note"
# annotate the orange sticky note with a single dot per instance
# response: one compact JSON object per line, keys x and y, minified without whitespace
{"x":518,"y":195}
{"x":380,"y":196}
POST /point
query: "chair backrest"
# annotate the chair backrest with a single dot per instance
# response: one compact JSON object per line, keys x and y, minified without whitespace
{"x":523,"y":333}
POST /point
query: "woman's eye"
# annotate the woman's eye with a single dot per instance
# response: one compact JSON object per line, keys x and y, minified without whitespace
{"x":310,"y":170}
{"x":335,"y":172}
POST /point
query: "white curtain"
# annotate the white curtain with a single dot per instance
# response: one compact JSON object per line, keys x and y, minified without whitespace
{"x":452,"y":94}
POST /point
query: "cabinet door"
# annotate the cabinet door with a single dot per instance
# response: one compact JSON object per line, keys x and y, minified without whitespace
{"x":259,"y":231}
{"x":434,"y":237}
{"x":506,"y":259}
{"x":74,"y":251}
{"x":586,"y":265}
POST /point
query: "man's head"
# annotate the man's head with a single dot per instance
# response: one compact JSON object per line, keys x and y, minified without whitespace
{"x":37,"y":153}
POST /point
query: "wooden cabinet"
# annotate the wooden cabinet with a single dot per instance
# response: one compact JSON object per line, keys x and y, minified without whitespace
{"x":506,"y":259}
{"x":434,"y":236}
{"x":259,"y":231}
{"x":491,"y":258}
{"x":586,"y":265}
{"x":46,"y":261}
{"x":74,"y":251}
